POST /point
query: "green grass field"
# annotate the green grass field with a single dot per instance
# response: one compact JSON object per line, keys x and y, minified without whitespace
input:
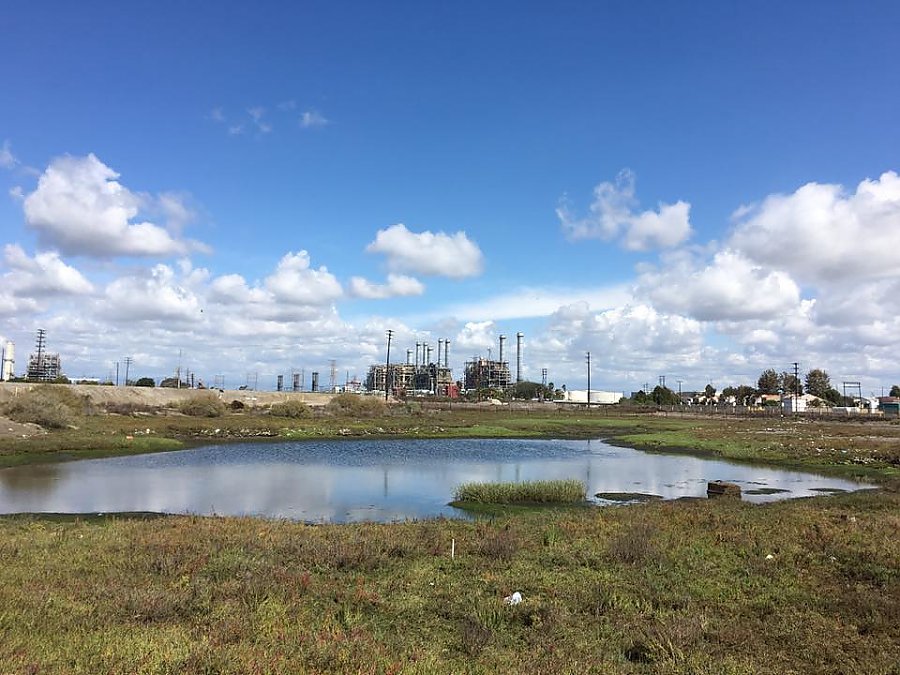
{"x":701,"y":587}
{"x":803,"y":586}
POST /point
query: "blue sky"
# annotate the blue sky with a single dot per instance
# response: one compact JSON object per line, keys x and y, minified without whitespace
{"x":620,"y":177}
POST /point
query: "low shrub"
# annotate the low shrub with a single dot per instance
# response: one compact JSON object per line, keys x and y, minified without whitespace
{"x":569,"y":491}
{"x":290,"y":408}
{"x":53,"y":407}
{"x":203,"y":405}
{"x":635,"y":545}
{"x":356,"y":405}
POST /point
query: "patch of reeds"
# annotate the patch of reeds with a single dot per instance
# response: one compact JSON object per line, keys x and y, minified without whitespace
{"x":569,"y":491}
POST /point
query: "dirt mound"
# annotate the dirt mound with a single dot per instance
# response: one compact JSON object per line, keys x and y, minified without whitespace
{"x":10,"y":429}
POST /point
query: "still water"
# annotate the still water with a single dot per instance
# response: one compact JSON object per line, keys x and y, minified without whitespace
{"x":388,"y":480}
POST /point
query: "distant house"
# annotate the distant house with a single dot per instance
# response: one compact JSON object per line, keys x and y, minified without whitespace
{"x":889,"y":405}
{"x":767,"y":399}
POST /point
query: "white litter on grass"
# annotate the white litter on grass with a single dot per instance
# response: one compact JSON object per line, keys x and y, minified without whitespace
{"x":770,"y":557}
{"x":513,"y":599}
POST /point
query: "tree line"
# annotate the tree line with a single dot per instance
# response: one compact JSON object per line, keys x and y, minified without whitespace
{"x":817,"y":382}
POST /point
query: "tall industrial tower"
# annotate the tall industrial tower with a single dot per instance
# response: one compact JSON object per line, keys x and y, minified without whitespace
{"x":8,"y":366}
{"x":519,"y":338}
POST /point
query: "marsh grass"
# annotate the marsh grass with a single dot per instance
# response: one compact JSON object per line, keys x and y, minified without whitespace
{"x":569,"y":491}
{"x":235,"y":595}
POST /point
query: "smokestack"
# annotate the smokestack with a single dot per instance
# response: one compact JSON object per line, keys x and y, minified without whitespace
{"x":502,"y":341}
{"x":428,"y":354}
{"x":440,"y":350}
{"x":408,"y":356}
{"x":418,"y":344}
{"x":446,"y":353}
{"x":519,"y":337}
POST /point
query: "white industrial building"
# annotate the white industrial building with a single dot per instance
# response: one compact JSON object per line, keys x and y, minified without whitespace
{"x":597,"y":397}
{"x":8,"y":364}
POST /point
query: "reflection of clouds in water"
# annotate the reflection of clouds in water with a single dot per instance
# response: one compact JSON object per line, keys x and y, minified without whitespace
{"x":363,"y":480}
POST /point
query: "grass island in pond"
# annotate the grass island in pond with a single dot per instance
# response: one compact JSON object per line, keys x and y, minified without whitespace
{"x":568,"y":491}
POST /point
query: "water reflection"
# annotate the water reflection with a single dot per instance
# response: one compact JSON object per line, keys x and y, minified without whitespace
{"x":344,"y":481}
{"x":39,"y":478}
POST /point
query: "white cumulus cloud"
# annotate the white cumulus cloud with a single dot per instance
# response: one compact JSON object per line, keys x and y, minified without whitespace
{"x":80,"y":208}
{"x":295,"y":282}
{"x":612,"y":214}
{"x":41,"y":276}
{"x":820,"y":233}
{"x":429,"y":253}
{"x":157,"y":295}
{"x":731,"y":287}
{"x":398,"y":285}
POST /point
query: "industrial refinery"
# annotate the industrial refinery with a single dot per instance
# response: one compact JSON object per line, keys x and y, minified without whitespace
{"x":422,"y":374}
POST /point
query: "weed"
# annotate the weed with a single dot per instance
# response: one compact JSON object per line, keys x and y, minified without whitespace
{"x":499,"y":544}
{"x":634,"y":545}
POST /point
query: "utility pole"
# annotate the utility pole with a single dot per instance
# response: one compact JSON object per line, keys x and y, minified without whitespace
{"x":589,"y":379}
{"x":117,"y":373}
{"x":128,"y":362}
{"x":387,"y":365}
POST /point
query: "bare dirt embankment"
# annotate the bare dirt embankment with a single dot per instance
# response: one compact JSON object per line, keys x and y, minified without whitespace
{"x":11,"y":429}
{"x":160,"y":398}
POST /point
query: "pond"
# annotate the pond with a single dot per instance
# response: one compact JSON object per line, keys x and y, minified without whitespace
{"x":373,"y":480}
